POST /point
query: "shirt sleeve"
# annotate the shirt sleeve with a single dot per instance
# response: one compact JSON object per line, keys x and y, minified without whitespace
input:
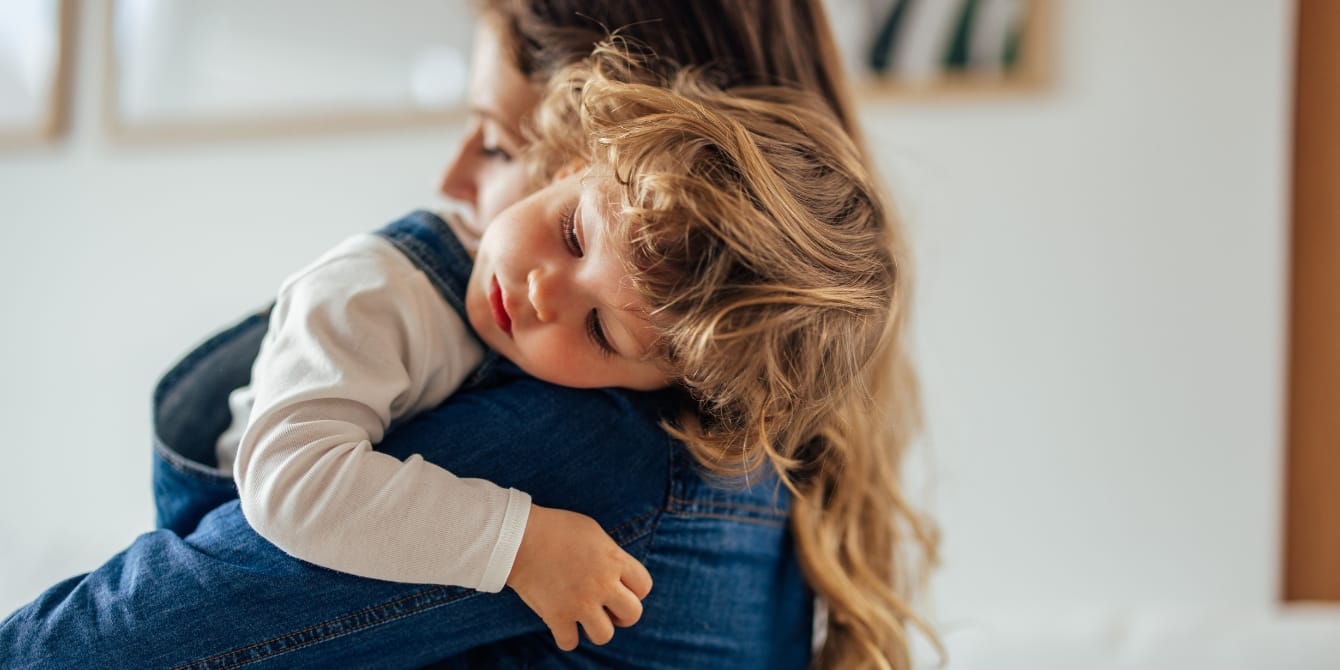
{"x":357,"y":340}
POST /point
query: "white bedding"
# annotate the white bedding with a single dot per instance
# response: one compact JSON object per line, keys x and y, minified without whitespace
{"x":1294,"y":637}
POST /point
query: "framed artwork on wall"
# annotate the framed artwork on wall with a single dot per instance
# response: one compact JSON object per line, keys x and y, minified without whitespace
{"x":935,"y":48}
{"x":34,"y":69}
{"x":210,"y":68}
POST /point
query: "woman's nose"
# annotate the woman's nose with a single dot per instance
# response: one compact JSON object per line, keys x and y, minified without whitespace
{"x":459,"y":180}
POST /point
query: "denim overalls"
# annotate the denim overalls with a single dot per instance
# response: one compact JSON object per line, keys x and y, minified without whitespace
{"x":205,"y":591}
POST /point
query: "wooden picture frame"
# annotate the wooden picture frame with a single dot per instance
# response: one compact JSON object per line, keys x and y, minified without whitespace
{"x":1311,"y":550}
{"x":35,"y":70}
{"x":220,"y":69}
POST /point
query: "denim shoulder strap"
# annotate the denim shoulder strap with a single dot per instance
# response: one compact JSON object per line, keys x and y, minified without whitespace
{"x":431,"y":245}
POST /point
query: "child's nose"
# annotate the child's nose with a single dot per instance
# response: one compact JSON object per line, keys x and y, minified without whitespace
{"x":537,"y":291}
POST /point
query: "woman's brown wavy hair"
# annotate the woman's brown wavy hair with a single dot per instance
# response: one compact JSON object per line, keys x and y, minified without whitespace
{"x":768,"y":257}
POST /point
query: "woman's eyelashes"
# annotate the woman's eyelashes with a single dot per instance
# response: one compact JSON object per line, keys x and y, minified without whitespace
{"x":491,"y":141}
{"x":488,"y":140}
{"x":495,"y":152}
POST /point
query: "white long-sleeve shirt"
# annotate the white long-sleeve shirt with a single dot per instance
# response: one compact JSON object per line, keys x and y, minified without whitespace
{"x":359,"y":339}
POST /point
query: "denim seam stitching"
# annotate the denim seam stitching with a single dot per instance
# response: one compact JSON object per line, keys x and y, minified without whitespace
{"x":776,"y":523}
{"x":186,"y":466}
{"x":671,"y":488}
{"x":650,"y":534}
{"x":623,"y":527}
{"x":371,"y":611}
{"x":693,"y":507}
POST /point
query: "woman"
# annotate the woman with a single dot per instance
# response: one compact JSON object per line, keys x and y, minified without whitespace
{"x":750,"y":42}
{"x":728,"y":587}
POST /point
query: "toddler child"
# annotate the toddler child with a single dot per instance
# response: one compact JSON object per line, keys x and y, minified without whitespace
{"x":684,"y":231}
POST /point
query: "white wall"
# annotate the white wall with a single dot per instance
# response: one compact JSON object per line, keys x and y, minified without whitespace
{"x":116,"y":258}
{"x":1099,"y":317}
{"x":1100,"y":314}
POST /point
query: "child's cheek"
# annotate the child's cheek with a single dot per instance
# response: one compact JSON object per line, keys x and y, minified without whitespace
{"x":562,"y":362}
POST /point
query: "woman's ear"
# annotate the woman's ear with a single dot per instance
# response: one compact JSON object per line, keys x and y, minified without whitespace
{"x":571,"y":168}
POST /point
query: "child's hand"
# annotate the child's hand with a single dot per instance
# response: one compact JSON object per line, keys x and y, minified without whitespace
{"x":569,"y":571}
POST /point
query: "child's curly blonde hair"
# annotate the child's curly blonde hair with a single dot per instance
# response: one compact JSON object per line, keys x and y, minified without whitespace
{"x":764,"y":250}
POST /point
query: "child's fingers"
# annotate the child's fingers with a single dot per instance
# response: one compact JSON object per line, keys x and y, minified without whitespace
{"x":598,"y":628}
{"x":624,"y":608}
{"x":636,"y":578}
{"x":565,"y":635}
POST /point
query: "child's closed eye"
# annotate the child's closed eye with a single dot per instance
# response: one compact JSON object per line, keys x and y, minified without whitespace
{"x":596,"y":331}
{"x":568,"y":226}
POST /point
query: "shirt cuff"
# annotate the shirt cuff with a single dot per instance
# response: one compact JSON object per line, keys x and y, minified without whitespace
{"x":509,"y":541}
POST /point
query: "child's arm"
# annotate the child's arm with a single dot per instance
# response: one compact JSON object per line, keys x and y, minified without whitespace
{"x":357,"y":340}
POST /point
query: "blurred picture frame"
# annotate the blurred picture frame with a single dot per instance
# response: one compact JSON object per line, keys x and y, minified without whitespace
{"x":209,"y":69}
{"x":35,"y":61}
{"x":931,"y":49}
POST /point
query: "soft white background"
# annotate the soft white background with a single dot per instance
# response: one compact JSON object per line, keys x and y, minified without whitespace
{"x":1099,"y":319}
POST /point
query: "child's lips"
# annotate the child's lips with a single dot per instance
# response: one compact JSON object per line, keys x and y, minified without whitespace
{"x":500,"y":315}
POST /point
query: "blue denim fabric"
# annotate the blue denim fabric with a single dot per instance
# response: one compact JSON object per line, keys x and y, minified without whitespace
{"x":205,"y":591}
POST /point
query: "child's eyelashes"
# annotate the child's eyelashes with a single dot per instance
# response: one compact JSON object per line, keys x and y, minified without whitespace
{"x":567,"y":224}
{"x":596,"y":331}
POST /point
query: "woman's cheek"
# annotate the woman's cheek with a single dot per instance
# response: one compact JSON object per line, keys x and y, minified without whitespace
{"x":505,"y":186}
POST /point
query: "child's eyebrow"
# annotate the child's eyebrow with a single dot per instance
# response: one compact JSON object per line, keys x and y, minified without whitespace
{"x":632,"y":348}
{"x":608,"y":203}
